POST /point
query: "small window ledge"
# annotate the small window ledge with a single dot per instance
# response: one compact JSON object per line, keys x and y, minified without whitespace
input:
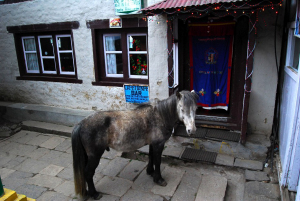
{"x":292,"y":72}
{"x":50,"y":79}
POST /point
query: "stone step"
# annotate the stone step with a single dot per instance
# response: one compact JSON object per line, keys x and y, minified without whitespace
{"x":10,"y":195}
{"x":44,"y":127}
{"x":212,"y":188}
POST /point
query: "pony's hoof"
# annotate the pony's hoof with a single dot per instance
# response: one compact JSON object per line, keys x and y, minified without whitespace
{"x":161,"y":182}
{"x":97,"y":196}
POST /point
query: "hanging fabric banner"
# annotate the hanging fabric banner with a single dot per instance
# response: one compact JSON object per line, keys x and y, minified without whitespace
{"x":210,"y":59}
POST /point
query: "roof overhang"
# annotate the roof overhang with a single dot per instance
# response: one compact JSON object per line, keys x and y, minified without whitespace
{"x":187,"y":6}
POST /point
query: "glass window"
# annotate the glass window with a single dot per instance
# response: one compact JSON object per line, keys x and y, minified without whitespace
{"x":30,"y":54}
{"x":65,"y":54}
{"x":293,"y":51}
{"x":137,"y":52}
{"x":47,"y":54}
{"x":113,"y":55}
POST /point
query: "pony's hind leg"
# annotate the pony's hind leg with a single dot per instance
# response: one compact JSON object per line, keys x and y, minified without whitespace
{"x":157,"y":151}
{"x":92,"y":164}
{"x":150,"y":168}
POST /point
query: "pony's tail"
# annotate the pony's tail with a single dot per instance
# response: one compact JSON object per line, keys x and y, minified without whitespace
{"x":79,"y":162}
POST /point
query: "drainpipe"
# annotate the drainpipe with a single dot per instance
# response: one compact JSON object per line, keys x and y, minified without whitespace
{"x":1,"y":188}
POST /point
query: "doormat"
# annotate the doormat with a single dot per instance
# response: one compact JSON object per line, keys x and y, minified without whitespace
{"x":223,"y":135}
{"x":208,"y":134}
{"x":199,"y":155}
{"x":181,"y":131}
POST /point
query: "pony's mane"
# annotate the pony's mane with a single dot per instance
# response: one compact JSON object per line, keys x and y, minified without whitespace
{"x":167,"y":109}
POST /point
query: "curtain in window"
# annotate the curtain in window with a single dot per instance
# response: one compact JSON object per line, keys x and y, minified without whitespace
{"x":111,"y":61}
{"x":32,"y":61}
{"x":31,"y":58}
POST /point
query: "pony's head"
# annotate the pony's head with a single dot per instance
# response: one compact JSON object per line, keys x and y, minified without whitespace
{"x":186,"y":109}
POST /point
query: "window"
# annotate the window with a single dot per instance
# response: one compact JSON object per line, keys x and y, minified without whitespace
{"x":46,"y":55}
{"x":121,"y":56}
{"x":293,"y":51}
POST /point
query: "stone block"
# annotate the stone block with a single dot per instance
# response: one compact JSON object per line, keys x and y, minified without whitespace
{"x":66,"y":188}
{"x":38,"y":140}
{"x":256,"y":175}
{"x":64,"y":145}
{"x":172,"y":176}
{"x":15,"y":162}
{"x":51,"y":170}
{"x":135,"y":195}
{"x":64,"y":160}
{"x":115,"y":166}
{"x":66,"y":174}
{"x":223,"y":159}
{"x":4,"y":172}
{"x":264,"y":191}
{"x":53,"y":142}
{"x":144,"y":182}
{"x":188,"y":187}
{"x":38,"y":153}
{"x":27,"y":136}
{"x":51,"y":156}
{"x":133,"y":169}
{"x":31,"y":191}
{"x":212,"y":188}
{"x":113,"y":186}
{"x":248,"y":164}
{"x":51,"y":196}
{"x":21,"y":149}
{"x":102,"y":165}
{"x":172,"y":151}
{"x":45,"y":181}
{"x":32,"y":166}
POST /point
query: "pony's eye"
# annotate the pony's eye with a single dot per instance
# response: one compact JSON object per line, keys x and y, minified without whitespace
{"x":182,"y":110}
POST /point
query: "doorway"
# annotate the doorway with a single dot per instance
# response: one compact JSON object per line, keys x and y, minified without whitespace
{"x":193,"y":37}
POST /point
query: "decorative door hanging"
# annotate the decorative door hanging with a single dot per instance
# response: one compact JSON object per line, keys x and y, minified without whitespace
{"x":211,"y":60}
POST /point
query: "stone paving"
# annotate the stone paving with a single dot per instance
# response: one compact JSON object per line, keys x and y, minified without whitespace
{"x":39,"y":165}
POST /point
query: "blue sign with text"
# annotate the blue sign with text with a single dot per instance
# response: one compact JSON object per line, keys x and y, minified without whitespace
{"x":136,"y":93}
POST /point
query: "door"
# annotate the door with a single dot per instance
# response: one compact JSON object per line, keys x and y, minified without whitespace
{"x":226,"y":41}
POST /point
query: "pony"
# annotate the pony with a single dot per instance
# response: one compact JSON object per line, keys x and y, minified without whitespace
{"x":127,"y":131}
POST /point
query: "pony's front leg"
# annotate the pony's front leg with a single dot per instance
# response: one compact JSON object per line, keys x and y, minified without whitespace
{"x":92,"y":164}
{"x":157,"y":151}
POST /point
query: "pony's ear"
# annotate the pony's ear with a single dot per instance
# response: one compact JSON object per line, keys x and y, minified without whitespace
{"x":178,"y":95}
{"x":193,"y":91}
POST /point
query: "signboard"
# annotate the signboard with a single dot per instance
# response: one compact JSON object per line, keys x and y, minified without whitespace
{"x":136,"y":93}
{"x":123,"y":7}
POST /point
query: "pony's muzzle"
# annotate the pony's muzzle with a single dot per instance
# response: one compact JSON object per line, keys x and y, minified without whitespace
{"x":191,"y":131}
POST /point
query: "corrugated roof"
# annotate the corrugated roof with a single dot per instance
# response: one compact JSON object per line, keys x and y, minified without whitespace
{"x":184,"y":3}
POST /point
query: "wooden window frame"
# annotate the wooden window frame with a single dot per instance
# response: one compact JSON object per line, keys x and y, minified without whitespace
{"x":100,"y":28}
{"x":42,"y":30}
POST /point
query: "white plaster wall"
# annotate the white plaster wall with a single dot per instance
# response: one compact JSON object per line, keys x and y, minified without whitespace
{"x":264,"y":79}
{"x":83,"y":96}
{"x":158,"y":57}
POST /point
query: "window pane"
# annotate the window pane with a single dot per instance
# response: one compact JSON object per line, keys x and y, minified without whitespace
{"x":137,"y":43}
{"x":64,"y":43}
{"x":49,"y":64}
{"x":114,"y":64}
{"x":46,"y":46}
{"x":296,"y":53}
{"x":29,"y":44}
{"x":138,"y":64}
{"x":113,"y":43}
{"x":32,"y":61}
{"x":66,"y":61}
